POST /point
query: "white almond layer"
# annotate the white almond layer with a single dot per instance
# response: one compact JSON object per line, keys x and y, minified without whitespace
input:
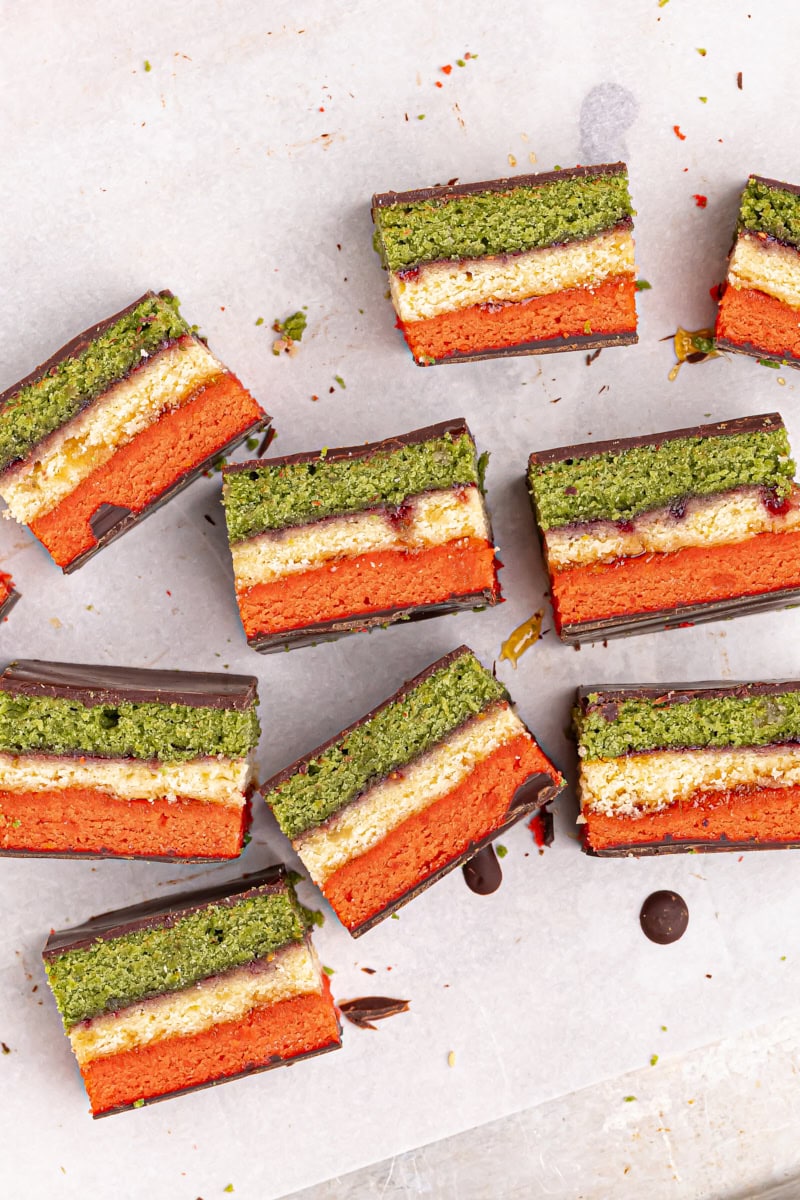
{"x":216,"y":780}
{"x":440,"y":287}
{"x":165,"y":381}
{"x":713,"y":521}
{"x":642,"y":783}
{"x":293,"y":971}
{"x":409,"y":790}
{"x":767,"y":266}
{"x":433,"y":518}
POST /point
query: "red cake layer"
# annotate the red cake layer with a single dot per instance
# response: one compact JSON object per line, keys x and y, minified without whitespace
{"x":367,"y":583}
{"x":137,"y":474}
{"x":88,"y":821}
{"x":283,"y":1030}
{"x":759,"y":322}
{"x":609,"y":308}
{"x":430,"y":839}
{"x":765,"y":563}
{"x":744,"y":814}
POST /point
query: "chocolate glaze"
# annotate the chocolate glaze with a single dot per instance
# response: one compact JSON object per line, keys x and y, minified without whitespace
{"x":483,"y":873}
{"x":107,"y":517}
{"x":755,"y":352}
{"x":687,"y":845}
{"x":527,"y":791}
{"x":455,"y":428}
{"x":611,"y":694}
{"x":9,"y":602}
{"x":165,"y":911}
{"x":664,"y":917}
{"x":507,"y":184}
{"x":776,"y":183}
{"x":366,"y":1009}
{"x":765,"y":422}
{"x":93,"y":685}
{"x":589,"y":341}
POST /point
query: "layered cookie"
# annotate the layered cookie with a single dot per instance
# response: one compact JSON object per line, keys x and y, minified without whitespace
{"x":526,"y":265}
{"x":759,"y":313}
{"x":115,"y":423}
{"x":412,"y":790}
{"x":175,"y":995}
{"x":648,"y":532}
{"x":120,"y":762}
{"x":699,"y":766}
{"x":341,"y":540}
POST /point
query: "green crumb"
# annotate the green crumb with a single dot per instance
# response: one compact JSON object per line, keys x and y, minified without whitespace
{"x":663,"y":1029}
{"x":252,"y":443}
{"x":500,"y":851}
{"x":404,"y":729}
{"x":703,"y":99}
{"x":147,"y":66}
{"x":229,"y":1188}
{"x":770,"y":210}
{"x":653,"y":1059}
{"x":39,"y":408}
{"x":484,"y":223}
{"x":615,"y":487}
{"x":338,"y":379}
{"x":295,"y":326}
{"x":329,"y":971}
{"x":259,"y":320}
{"x":716,"y":722}
{"x":783,"y":958}
{"x":769,"y":362}
{"x":702,"y":344}
{"x":395,"y":916}
{"x":167,"y":732}
{"x":111,"y":974}
{"x":630,"y":1099}
{"x":138,"y":1103}
{"x":702,"y":51}
{"x":643,"y":286}
{"x":420,"y":116}
{"x":483,"y":463}
{"x":276,"y":497}
{"x":460,"y":62}
{"x":312,"y":916}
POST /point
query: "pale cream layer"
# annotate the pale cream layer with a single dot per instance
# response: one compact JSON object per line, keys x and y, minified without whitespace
{"x":164,"y":381}
{"x":409,"y":790}
{"x":293,"y":971}
{"x":708,"y":521}
{"x":440,"y":287}
{"x":215,"y":780}
{"x":768,"y":266}
{"x":643,"y":783}
{"x":432,"y":519}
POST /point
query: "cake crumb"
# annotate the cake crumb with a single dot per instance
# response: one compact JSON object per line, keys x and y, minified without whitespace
{"x":451,"y":1058}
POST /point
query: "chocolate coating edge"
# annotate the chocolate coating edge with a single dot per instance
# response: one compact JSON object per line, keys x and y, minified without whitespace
{"x":9,"y":602}
{"x":93,"y":685}
{"x":776,"y":184}
{"x":754,"y":352}
{"x":720,"y":846}
{"x":548,"y":346}
{"x":505,"y":184}
{"x":679,"y":693}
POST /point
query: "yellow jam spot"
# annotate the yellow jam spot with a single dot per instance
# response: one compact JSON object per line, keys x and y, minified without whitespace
{"x":522,"y":638}
{"x":692,"y":346}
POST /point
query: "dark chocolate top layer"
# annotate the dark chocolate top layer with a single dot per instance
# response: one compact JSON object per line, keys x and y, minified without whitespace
{"x":165,"y":911}
{"x":92,"y":685}
{"x":682,"y":693}
{"x":76,"y":345}
{"x":776,"y":183}
{"x":456,"y":428}
{"x":764,"y":423}
{"x":448,"y":192}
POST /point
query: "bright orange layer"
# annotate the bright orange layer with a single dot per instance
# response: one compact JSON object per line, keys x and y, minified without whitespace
{"x":608,"y":308}
{"x":140,"y":471}
{"x":299,"y":1025}
{"x":749,"y":317}
{"x":765,"y":563}
{"x":367,"y":583}
{"x":432,"y":838}
{"x":746,"y":814}
{"x":84,"y":820}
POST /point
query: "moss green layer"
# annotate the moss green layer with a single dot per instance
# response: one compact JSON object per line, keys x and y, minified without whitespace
{"x":769,"y":210}
{"x":640,"y":725}
{"x":36,"y":410}
{"x":616,"y":487}
{"x":111,"y":974}
{"x":169,"y":732}
{"x":273,"y":497}
{"x":500,"y":222}
{"x":393,"y":737}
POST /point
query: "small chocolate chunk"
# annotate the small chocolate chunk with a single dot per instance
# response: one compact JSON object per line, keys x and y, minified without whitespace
{"x":483,"y":873}
{"x":664,"y":917}
{"x":366,"y":1009}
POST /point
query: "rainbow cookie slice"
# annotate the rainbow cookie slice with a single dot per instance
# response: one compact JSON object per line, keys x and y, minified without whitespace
{"x":649,"y":532}
{"x":698,"y":766}
{"x":175,"y":995}
{"x":115,"y":423}
{"x":340,"y":540}
{"x":412,"y":790}
{"x":125,"y":763}
{"x":527,"y":265}
{"x":759,"y":313}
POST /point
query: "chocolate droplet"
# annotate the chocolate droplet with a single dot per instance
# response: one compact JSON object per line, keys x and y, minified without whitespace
{"x":483,"y":872}
{"x":664,"y":917}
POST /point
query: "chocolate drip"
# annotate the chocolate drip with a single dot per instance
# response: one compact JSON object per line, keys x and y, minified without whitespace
{"x":366,"y":1009}
{"x":483,"y":873}
{"x":664,"y":917}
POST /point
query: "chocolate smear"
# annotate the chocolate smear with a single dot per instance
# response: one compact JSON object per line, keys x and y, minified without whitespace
{"x":664,"y":917}
{"x":528,"y":791}
{"x":483,"y":873}
{"x":266,"y":441}
{"x":107,"y":517}
{"x":366,"y":1009}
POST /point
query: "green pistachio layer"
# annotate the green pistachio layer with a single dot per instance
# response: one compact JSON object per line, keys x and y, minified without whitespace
{"x":111,"y":974}
{"x":471,"y":226}
{"x":616,"y":487}
{"x":168,"y":732}
{"x":284,"y":494}
{"x":772,"y":211}
{"x":639,"y":725}
{"x":39,"y":408}
{"x":391,"y":738}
